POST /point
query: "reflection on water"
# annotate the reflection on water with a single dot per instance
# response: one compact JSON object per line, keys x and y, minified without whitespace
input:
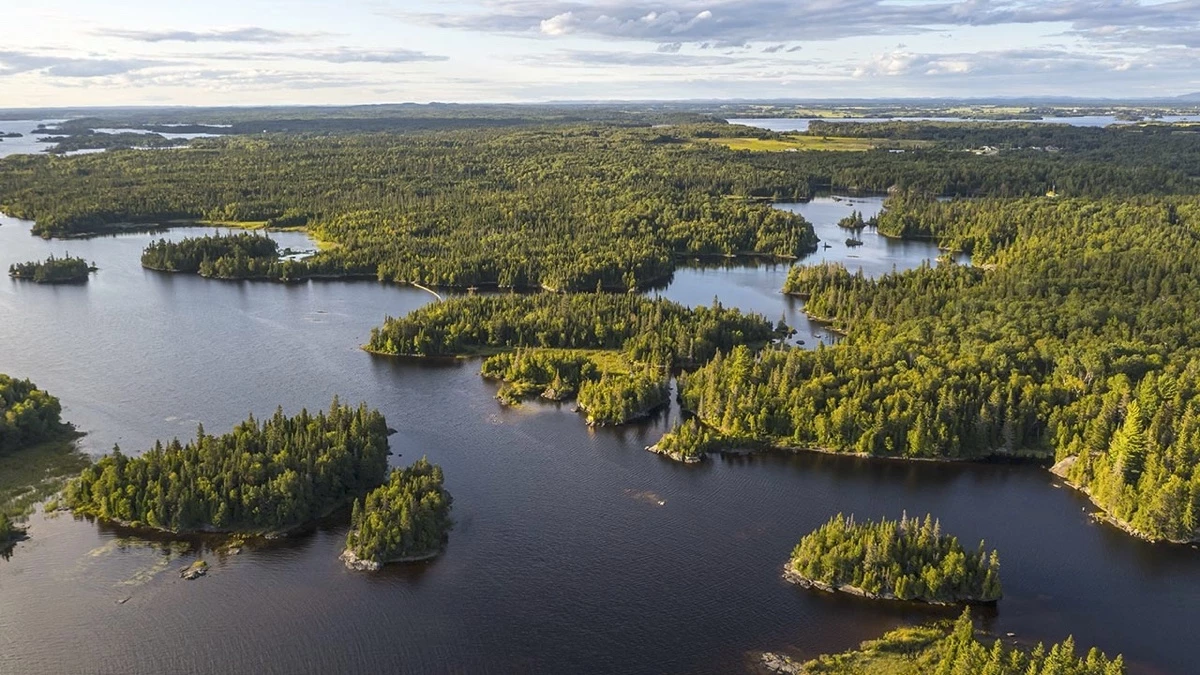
{"x":574,"y":550}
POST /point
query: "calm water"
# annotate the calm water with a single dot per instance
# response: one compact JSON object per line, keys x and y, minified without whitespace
{"x":575,"y":550}
{"x":801,"y":124}
{"x":28,"y":143}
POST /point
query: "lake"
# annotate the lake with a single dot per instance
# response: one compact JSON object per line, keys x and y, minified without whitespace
{"x":801,"y":124}
{"x":575,"y":550}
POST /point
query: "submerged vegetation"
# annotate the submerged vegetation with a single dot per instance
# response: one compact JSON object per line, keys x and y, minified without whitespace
{"x":407,"y":518}
{"x":909,"y":559}
{"x":261,"y":478}
{"x":951,"y":649}
{"x":53,"y":270}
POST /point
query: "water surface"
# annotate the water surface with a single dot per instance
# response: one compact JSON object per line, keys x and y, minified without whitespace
{"x":575,"y":550}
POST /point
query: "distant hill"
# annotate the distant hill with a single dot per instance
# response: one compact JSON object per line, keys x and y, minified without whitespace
{"x":1194,"y":96}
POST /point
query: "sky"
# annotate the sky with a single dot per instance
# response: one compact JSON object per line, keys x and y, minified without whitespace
{"x":248,"y":52}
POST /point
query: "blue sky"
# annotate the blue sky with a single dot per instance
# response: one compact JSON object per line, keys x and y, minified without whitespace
{"x":222,"y":52}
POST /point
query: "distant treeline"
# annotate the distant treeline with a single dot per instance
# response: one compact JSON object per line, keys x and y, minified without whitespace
{"x":567,"y":207}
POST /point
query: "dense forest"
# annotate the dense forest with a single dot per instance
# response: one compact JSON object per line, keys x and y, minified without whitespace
{"x":646,"y":330}
{"x":954,"y":650}
{"x":553,"y":374}
{"x":28,"y":415}
{"x":622,"y":398}
{"x":909,"y":559}
{"x":262,"y":477}
{"x":53,"y":270}
{"x":243,"y":255}
{"x":561,"y":206}
{"x":1070,"y":335}
{"x":404,"y":519}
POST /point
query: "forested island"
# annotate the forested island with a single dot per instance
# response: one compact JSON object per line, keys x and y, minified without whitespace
{"x":646,"y":330}
{"x":910,"y":559}
{"x":950,"y":649}
{"x":242,"y":255}
{"x":404,"y":520}
{"x":53,"y":270}
{"x":633,"y":341}
{"x":262,"y":478}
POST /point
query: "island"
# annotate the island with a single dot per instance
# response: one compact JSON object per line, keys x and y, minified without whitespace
{"x":264,"y":478}
{"x":241,"y":255}
{"x":406,"y":519}
{"x":53,"y":270}
{"x":613,"y":352}
{"x":945,"y":647}
{"x":909,"y":559}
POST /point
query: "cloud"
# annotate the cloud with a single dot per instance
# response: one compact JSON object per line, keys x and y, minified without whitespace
{"x":655,"y":59}
{"x":737,"y":22}
{"x":1015,"y":62}
{"x":13,"y":62}
{"x":249,"y":34}
{"x":348,"y":55}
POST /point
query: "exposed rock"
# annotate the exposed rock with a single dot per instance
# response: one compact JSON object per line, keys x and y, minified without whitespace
{"x":778,"y":663}
{"x":194,"y":571}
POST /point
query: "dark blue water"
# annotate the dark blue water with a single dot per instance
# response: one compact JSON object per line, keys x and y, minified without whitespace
{"x":575,"y":550}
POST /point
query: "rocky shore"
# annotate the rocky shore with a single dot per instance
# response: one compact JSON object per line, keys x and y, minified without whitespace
{"x":353,"y":562}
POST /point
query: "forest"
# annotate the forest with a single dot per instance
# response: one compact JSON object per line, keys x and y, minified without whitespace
{"x":53,"y":270}
{"x":262,"y":477}
{"x":1069,"y":336}
{"x":908,"y":559}
{"x":645,"y":330}
{"x":406,"y":518}
{"x":242,"y":255}
{"x":28,"y":415}
{"x":952,"y":649}
{"x":558,"y":205}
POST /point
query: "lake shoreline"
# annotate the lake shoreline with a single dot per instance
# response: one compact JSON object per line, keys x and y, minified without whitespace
{"x":791,"y":575}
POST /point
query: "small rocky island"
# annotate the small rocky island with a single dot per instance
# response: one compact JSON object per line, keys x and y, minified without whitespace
{"x":53,"y":270}
{"x":910,"y":559}
{"x":406,"y":519}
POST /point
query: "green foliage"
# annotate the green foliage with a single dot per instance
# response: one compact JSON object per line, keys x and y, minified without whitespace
{"x":8,"y":529}
{"x":233,"y":256}
{"x":1073,"y":311}
{"x":906,"y":559}
{"x":407,"y":516}
{"x":646,"y":330}
{"x":52,"y":270}
{"x":552,"y":374}
{"x":564,"y":207}
{"x":690,"y":440}
{"x":955,"y":650}
{"x":618,"y":399}
{"x":28,"y":415}
{"x":261,"y":477}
